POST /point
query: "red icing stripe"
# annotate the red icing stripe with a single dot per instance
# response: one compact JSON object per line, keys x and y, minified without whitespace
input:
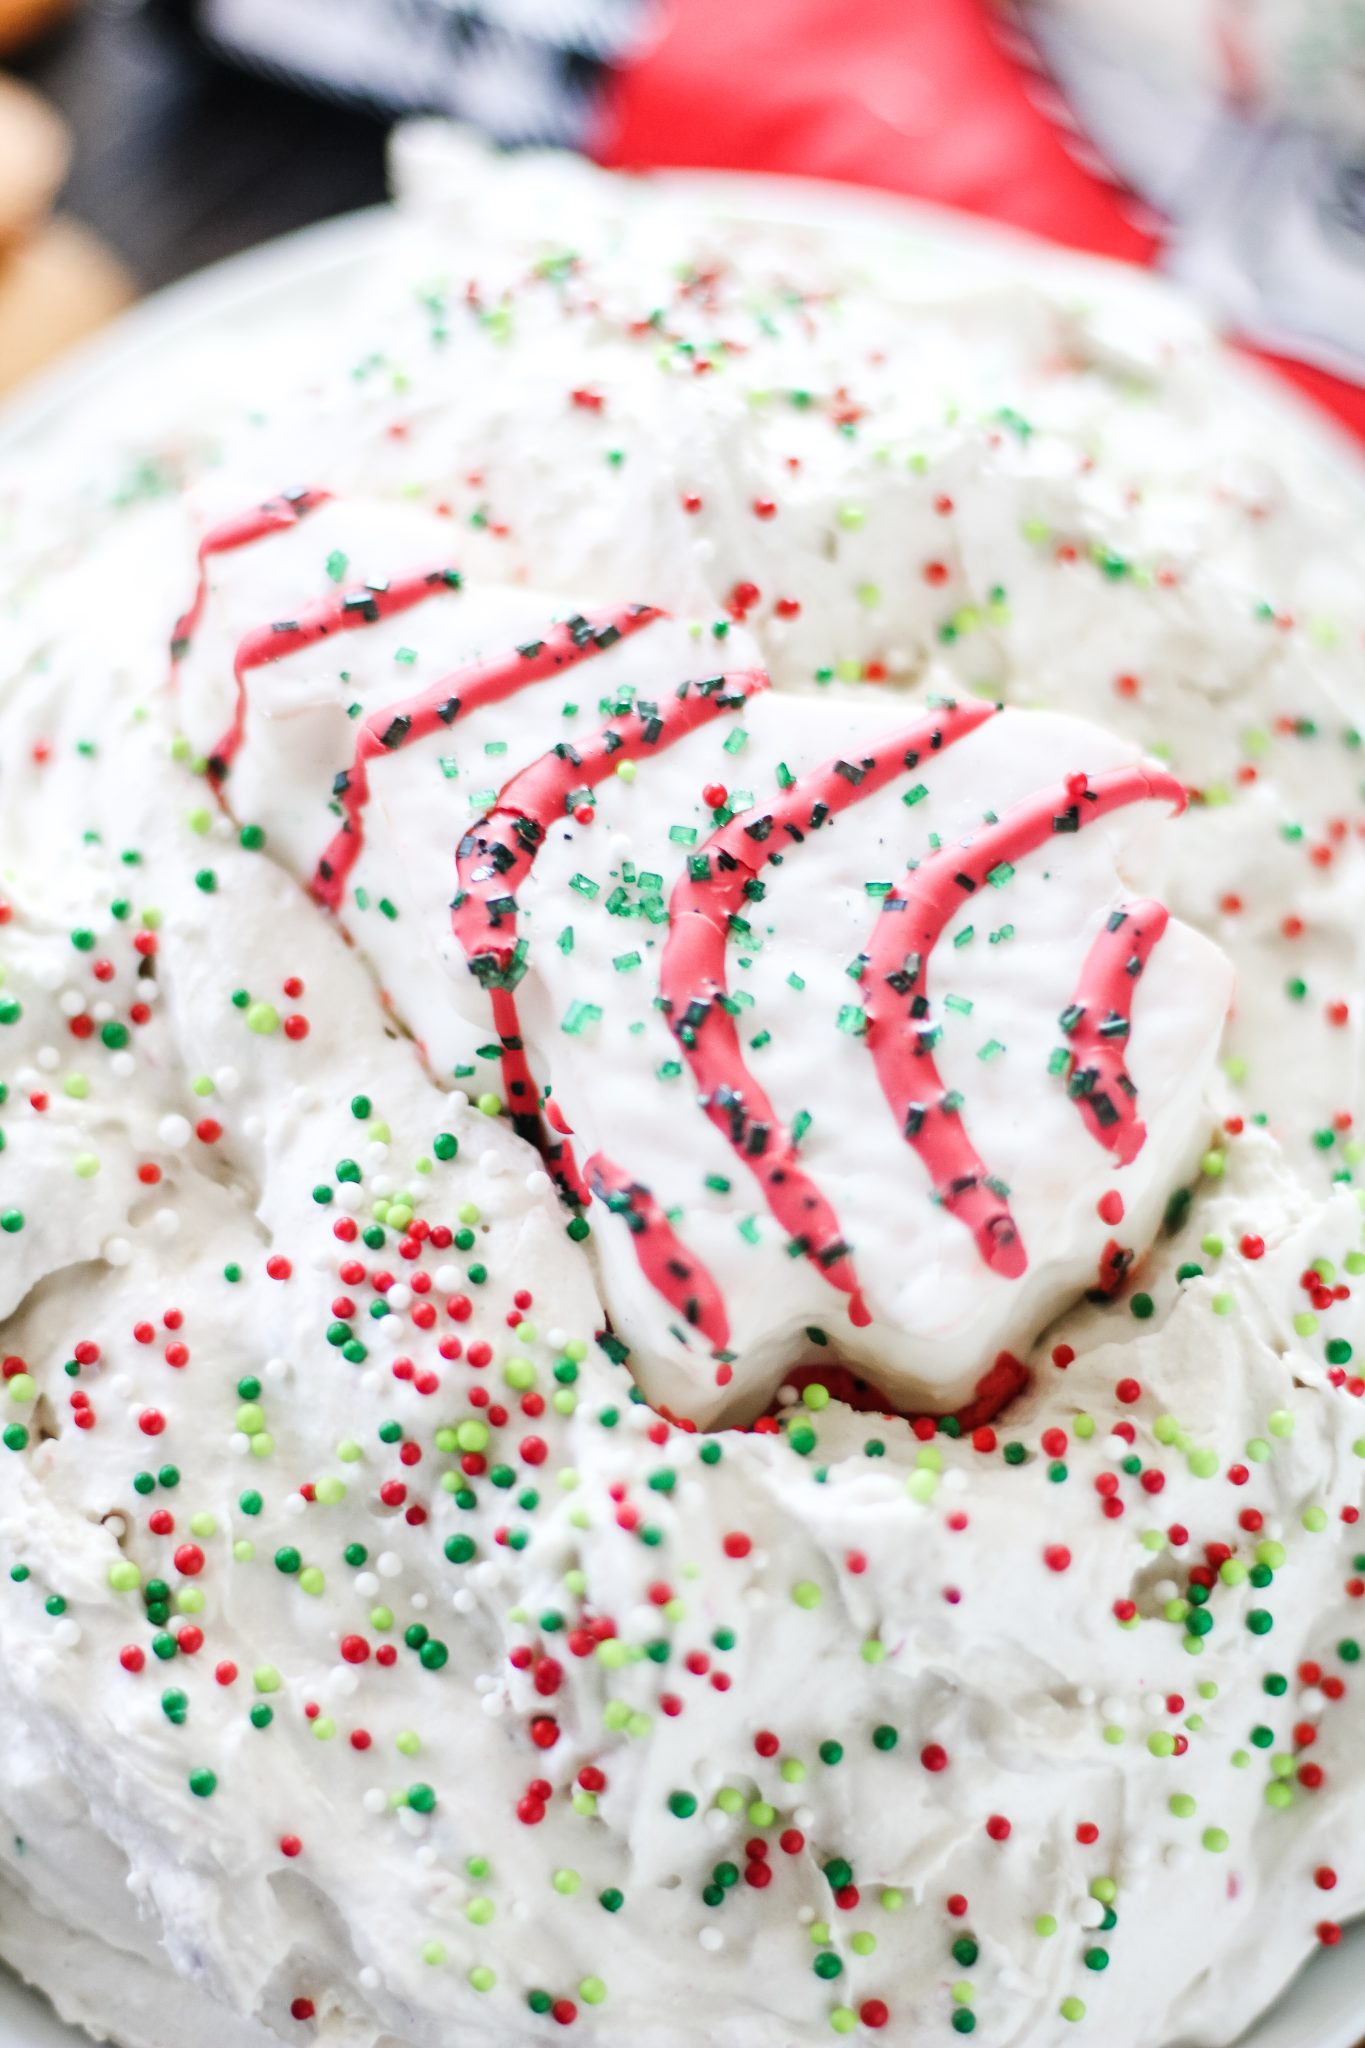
{"x":415,"y":718}
{"x":898,"y":955}
{"x":692,"y":975}
{"x":276,"y":515}
{"x":665,"y":1261}
{"x":559,"y":1154}
{"x":1097,"y":1036}
{"x":345,"y":613}
{"x":495,"y":856}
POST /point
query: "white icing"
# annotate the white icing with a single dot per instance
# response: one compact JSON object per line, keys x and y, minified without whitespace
{"x":131,"y":1897}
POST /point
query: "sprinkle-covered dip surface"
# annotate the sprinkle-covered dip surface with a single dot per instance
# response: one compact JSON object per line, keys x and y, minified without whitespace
{"x":679,"y":1234}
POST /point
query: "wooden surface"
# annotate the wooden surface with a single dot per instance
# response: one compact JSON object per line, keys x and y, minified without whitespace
{"x":179,"y":159}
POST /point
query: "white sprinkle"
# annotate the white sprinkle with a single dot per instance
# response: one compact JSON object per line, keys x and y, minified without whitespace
{"x":712,"y":1940}
{"x":227,"y":1080}
{"x":117,"y":1251}
{"x":388,"y":1564}
{"x":375,"y":1800}
{"x":174,"y":1132}
{"x":49,"y":1059}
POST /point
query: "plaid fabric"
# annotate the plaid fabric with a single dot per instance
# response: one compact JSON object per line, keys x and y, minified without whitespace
{"x":1265,"y":219}
{"x":521,"y":70}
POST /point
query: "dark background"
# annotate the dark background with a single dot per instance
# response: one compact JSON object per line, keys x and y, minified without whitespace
{"x":180,"y":159}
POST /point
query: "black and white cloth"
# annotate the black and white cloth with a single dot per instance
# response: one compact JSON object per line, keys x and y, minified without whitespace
{"x":523,"y":71}
{"x":1265,"y":213}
